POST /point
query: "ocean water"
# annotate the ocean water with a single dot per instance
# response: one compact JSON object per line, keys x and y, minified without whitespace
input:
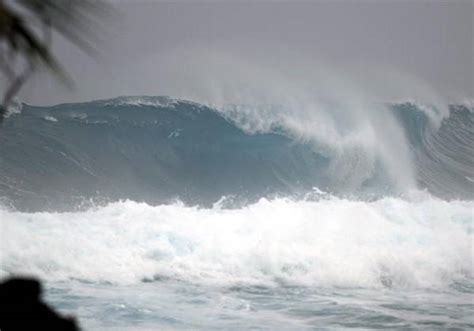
{"x":146,"y":213}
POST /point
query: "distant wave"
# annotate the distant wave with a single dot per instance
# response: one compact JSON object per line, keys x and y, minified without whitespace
{"x":162,"y":149}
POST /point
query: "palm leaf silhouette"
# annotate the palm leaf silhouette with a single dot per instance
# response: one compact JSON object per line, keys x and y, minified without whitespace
{"x":25,"y":34}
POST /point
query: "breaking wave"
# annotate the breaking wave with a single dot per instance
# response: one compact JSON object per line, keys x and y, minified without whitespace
{"x":160,"y":149}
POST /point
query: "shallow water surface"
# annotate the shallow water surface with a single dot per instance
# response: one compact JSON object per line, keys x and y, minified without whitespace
{"x":177,"y":305}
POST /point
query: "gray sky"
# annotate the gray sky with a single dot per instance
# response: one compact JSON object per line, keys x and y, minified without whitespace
{"x":385,"y":49}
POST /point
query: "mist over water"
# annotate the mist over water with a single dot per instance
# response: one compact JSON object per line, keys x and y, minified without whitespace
{"x":341,"y":109}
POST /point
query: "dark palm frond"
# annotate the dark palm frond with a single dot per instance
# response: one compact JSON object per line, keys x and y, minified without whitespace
{"x":70,"y":18}
{"x":19,"y":38}
{"x":21,"y":24}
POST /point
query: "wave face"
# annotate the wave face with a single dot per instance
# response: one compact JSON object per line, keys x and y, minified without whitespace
{"x":160,"y":149}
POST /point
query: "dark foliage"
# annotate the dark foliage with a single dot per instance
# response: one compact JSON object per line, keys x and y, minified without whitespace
{"x":25,"y":36}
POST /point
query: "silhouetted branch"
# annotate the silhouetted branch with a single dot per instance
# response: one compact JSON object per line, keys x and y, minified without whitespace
{"x":19,"y":39}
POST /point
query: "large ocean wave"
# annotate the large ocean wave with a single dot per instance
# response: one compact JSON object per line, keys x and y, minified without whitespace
{"x":160,"y":149}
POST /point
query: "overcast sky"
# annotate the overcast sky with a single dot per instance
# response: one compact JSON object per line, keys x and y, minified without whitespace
{"x":387,"y":49}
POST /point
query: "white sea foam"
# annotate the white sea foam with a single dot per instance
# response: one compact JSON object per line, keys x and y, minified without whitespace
{"x":424,"y":242}
{"x":50,"y":118}
{"x":159,"y":101}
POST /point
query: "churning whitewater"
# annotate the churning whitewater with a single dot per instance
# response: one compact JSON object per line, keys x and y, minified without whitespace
{"x":263,"y":201}
{"x":390,"y":242}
